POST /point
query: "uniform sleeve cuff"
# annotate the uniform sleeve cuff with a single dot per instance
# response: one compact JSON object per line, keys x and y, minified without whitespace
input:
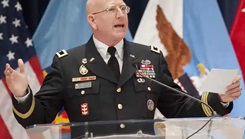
{"x":23,"y":99}
{"x":225,"y":104}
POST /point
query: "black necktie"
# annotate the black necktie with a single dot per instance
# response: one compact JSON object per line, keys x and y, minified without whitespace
{"x":113,"y":63}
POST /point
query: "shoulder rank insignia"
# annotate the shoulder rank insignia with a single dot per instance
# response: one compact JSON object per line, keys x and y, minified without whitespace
{"x":61,"y":53}
{"x":155,"y":49}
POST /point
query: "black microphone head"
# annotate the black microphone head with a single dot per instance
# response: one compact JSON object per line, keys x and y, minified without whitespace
{"x":136,"y":64}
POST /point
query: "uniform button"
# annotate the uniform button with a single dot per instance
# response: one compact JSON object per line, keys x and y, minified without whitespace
{"x":82,"y":92}
{"x":149,"y":88}
{"x":119,"y":89}
{"x":122,"y":125}
{"x":120,"y":106}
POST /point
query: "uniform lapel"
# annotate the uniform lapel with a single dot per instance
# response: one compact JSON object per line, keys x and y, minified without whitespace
{"x":96,"y":64}
{"x":129,"y":59}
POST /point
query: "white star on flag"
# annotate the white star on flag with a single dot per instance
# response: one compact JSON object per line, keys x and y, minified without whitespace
{"x":13,"y":39}
{"x":10,"y":55}
{"x":16,"y":22}
{"x":5,"y":3}
{"x":28,"y":42}
{"x":2,"y":19}
{"x":18,"y":6}
{"x":1,"y":36}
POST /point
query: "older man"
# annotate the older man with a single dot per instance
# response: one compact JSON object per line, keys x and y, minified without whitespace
{"x":99,"y":80}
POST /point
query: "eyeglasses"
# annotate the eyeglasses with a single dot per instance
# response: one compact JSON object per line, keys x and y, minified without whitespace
{"x":114,"y":9}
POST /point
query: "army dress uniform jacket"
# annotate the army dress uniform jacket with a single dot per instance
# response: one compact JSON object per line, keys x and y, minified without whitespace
{"x":100,"y":97}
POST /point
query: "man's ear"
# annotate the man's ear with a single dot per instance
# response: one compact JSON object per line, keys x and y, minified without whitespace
{"x":91,"y":21}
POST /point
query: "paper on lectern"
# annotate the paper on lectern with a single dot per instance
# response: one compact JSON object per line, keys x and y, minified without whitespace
{"x":217,"y":80}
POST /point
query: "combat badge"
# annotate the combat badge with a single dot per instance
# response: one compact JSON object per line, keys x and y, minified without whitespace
{"x":150,"y":105}
{"x":146,"y":70}
{"x":84,"y":109}
{"x":83,"y":70}
{"x":145,"y":62}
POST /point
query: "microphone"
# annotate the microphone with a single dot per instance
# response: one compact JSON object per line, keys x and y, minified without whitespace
{"x":214,"y":113}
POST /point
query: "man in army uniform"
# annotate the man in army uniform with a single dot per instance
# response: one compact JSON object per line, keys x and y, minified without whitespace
{"x":83,"y":81}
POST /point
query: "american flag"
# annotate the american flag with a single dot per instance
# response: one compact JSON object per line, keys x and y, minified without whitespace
{"x":15,"y":43}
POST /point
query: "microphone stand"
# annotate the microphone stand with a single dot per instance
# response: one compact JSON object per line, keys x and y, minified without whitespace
{"x":214,"y":113}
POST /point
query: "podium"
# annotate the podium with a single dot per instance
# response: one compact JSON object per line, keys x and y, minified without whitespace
{"x":176,"y":128}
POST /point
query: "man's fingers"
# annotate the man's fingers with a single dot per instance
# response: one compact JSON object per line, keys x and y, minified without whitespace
{"x":7,"y":65}
{"x":21,"y":66}
{"x":8,"y":80}
{"x":234,"y":91}
{"x":237,"y":79}
{"x":232,"y":86}
{"x":235,"y":96}
{"x":8,"y":70}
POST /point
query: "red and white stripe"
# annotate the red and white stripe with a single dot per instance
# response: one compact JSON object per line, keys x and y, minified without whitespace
{"x":15,"y":130}
{"x":9,"y":127}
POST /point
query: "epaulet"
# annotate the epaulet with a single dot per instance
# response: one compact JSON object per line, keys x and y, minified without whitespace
{"x":61,"y":53}
{"x":155,"y":49}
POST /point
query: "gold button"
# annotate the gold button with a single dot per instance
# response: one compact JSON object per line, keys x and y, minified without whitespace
{"x":149,"y":88}
{"x":82,"y":92}
{"x":119,"y":89}
{"x":122,"y":125}
{"x":120,"y":106}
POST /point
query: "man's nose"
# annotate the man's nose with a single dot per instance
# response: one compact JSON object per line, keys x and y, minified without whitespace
{"x":120,"y":12}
